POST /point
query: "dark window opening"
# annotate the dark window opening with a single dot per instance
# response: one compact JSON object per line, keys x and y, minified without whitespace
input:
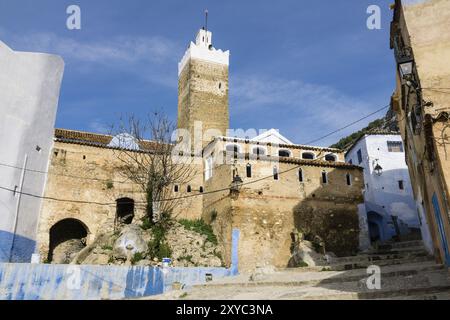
{"x":308,"y":156}
{"x":359,"y":154}
{"x":124,"y":210}
{"x":275,"y":173}
{"x":284,"y":153}
{"x":349,"y":179}
{"x":201,"y":190}
{"x":324,"y":177}
{"x":300,"y":175}
{"x":401,"y":185}
{"x":330,"y":158}
{"x":189,"y":189}
{"x":176,"y":188}
{"x":249,"y":170}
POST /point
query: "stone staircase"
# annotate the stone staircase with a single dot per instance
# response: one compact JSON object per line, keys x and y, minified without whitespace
{"x":407,"y":272}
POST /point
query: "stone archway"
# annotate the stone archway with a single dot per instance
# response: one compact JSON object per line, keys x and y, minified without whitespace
{"x":67,"y":238}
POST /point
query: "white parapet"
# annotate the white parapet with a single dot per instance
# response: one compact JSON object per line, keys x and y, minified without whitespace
{"x":202,"y":49}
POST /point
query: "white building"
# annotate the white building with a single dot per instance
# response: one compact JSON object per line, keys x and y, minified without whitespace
{"x":29,"y":93}
{"x":389,"y":202}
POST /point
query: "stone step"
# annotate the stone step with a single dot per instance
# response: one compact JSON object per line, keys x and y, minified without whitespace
{"x":405,"y":249}
{"x":405,"y":244}
{"x":422,"y":284}
{"x":289,"y":279}
{"x":384,"y":262}
{"x":402,"y":254}
{"x":442,"y":291}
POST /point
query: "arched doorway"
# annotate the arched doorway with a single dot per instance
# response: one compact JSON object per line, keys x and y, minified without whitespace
{"x":124,"y":211}
{"x":375,"y":222}
{"x":67,"y":238}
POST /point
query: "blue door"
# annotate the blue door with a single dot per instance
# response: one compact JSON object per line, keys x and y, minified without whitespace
{"x":440,"y":223}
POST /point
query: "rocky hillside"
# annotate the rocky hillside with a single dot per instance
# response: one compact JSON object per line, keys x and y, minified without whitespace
{"x":387,"y":123}
{"x":188,"y":244}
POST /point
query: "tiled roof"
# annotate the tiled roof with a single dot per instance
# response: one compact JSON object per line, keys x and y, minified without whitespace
{"x":93,"y":139}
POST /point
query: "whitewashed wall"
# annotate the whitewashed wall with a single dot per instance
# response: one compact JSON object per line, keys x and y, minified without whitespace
{"x":29,"y":93}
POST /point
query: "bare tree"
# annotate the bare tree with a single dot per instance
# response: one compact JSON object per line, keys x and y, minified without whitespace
{"x":146,"y":153}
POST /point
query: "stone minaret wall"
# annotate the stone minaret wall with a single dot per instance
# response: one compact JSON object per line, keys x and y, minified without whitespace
{"x":203,"y":91}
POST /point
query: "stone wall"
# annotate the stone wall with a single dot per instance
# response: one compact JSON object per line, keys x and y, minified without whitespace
{"x":264,"y":209}
{"x":84,"y":183}
{"x":423,"y":27}
{"x":203,"y":97}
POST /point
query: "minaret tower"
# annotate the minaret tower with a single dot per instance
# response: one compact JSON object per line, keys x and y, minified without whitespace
{"x":203,"y":90}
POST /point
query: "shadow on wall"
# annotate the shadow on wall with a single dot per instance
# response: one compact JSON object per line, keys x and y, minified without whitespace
{"x":329,"y":214}
{"x":15,"y":248}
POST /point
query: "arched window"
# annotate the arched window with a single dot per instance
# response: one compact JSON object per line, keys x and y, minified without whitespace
{"x":249,"y":170}
{"x":324,"y":177}
{"x":330,"y":158}
{"x":124,"y":210}
{"x":348,"y":177}
{"x":284,"y":153}
{"x":308,"y":155}
{"x":275,"y":173}
{"x":300,"y":175}
{"x":176,"y":188}
{"x":232,"y":148}
{"x":189,"y":189}
{"x":259,"y":151}
{"x":201,"y":190}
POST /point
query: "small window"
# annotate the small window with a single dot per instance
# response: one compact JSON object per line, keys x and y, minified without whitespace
{"x":330,"y":158}
{"x":189,"y":189}
{"x":201,"y":190}
{"x":209,"y":167}
{"x":349,"y":179}
{"x":395,"y":146}
{"x":308,"y":155}
{"x":249,"y":170}
{"x":300,"y":175}
{"x":324,"y":177}
{"x":351,"y":161}
{"x":284,"y":153}
{"x":259,"y":151}
{"x":359,"y":154}
{"x":220,"y":85}
{"x":275,"y":173}
{"x":401,"y":185}
{"x":176,"y":188}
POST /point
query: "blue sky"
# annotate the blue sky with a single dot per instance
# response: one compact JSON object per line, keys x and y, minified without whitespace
{"x":303,"y":67}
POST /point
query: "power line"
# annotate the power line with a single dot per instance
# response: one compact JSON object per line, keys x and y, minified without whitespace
{"x":162,"y":200}
{"x":347,"y":126}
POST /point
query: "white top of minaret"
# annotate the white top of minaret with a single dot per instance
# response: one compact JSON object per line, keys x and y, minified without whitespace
{"x":202,"y":49}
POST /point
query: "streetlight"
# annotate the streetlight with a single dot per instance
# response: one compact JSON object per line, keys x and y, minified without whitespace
{"x":378,"y":169}
{"x":405,"y":61}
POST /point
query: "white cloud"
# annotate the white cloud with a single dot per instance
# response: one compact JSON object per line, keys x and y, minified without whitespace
{"x":126,"y":49}
{"x":305,"y":110}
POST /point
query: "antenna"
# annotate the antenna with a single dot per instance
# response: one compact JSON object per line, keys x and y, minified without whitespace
{"x":206,"y":20}
{"x":206,"y":24}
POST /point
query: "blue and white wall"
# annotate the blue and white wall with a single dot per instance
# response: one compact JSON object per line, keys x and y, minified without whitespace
{"x":29,"y":93}
{"x":383,"y":196}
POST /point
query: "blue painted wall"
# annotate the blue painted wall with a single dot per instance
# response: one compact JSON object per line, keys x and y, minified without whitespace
{"x":18,"y":248}
{"x":74,"y":282}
